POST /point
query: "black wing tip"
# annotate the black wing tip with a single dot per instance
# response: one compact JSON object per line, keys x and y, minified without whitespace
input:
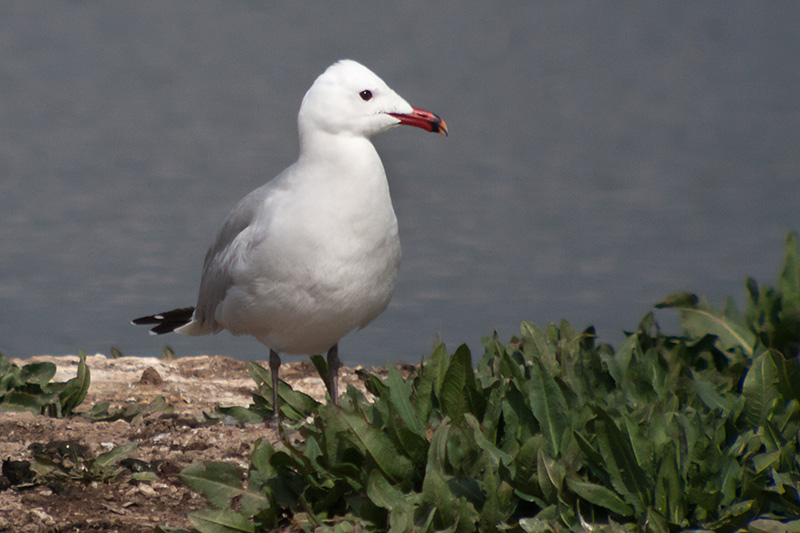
{"x":166,"y":322}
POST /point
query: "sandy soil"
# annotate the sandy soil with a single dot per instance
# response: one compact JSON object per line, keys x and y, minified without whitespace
{"x":193,"y":385}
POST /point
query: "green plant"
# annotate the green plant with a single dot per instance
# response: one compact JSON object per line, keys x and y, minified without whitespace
{"x":551,"y":431}
{"x":133,"y":413}
{"x":29,"y":388}
{"x":71,"y":461}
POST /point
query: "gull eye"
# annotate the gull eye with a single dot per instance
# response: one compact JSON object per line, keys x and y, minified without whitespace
{"x":365,"y":95}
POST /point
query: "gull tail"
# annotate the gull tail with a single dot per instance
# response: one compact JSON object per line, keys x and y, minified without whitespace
{"x":166,"y":322}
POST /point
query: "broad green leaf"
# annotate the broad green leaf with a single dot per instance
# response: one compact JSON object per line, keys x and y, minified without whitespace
{"x":534,"y":341}
{"x":732,"y":515}
{"x":499,"y":502}
{"x":772,"y":438}
{"x":494,"y":408}
{"x":525,"y":460}
{"x":382,"y":493}
{"x":436,"y":492}
{"x":496,"y":455}
{"x":135,"y":413}
{"x":517,"y":414}
{"x":452,"y":394}
{"x":618,"y":363}
{"x":301,"y":403}
{"x":642,"y":445}
{"x":765,"y":525}
{"x":536,"y":525}
{"x":76,"y":388}
{"x":440,"y":362}
{"x":788,"y":375}
{"x":218,"y":482}
{"x":295,"y":405}
{"x":456,"y":514}
{"x":510,"y":369}
{"x":400,"y":506}
{"x":788,"y":419}
{"x":402,"y":520}
{"x":241,"y":414}
{"x":115,"y":455}
{"x":23,"y":401}
{"x":321,"y":364}
{"x":548,"y":406}
{"x":39,"y":373}
{"x":464,"y":358}
{"x":763,"y":461}
{"x":690,"y":428}
{"x":700,"y":320}
{"x":399,"y":396}
{"x":259,"y":374}
{"x":730,"y":479}
{"x":598,"y":495}
{"x":661,"y":431}
{"x":668,"y":493}
{"x":220,"y":521}
{"x":550,"y":474}
{"x":531,"y":333}
{"x":375,"y":386}
{"x":625,"y":473}
{"x":437,"y":451}
{"x":461,"y":452}
{"x":656,"y":523}
{"x":710,"y":397}
{"x":423,"y":391}
{"x":414,"y":445}
{"x":760,"y":388}
{"x":594,"y":457}
{"x":394,"y":465}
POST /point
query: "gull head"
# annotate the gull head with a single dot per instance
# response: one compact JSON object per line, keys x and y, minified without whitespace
{"x":349,"y":99}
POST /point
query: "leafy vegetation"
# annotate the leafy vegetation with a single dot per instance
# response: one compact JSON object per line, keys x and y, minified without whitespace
{"x":550,"y":432}
{"x":133,"y":412}
{"x":71,"y":461}
{"x":29,"y":388}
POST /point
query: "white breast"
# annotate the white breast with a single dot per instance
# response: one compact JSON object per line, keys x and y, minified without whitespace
{"x":319,"y":259}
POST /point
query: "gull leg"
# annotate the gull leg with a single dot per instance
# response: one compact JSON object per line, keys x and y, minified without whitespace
{"x":274,"y":365}
{"x":333,"y":373}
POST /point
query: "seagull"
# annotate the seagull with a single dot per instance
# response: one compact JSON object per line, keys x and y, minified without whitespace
{"x":312,"y":254}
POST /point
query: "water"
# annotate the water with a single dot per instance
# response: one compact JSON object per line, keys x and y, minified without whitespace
{"x":601,"y":157}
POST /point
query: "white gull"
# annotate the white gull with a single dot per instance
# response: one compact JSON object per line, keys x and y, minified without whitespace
{"x":313,"y":254}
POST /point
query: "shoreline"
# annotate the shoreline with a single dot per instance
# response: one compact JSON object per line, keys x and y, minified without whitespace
{"x":191,"y":384}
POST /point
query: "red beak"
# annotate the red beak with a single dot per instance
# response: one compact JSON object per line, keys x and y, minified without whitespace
{"x":422,"y":119}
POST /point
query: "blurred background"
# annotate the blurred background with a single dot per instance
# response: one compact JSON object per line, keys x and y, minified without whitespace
{"x":601,"y":156}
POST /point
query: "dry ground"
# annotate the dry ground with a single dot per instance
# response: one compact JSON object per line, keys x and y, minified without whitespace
{"x":192,"y":385}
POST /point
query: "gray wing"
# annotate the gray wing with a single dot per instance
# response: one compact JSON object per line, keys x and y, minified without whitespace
{"x":220,"y":258}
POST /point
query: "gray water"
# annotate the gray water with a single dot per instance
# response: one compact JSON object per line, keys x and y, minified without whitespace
{"x":601,"y":156}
